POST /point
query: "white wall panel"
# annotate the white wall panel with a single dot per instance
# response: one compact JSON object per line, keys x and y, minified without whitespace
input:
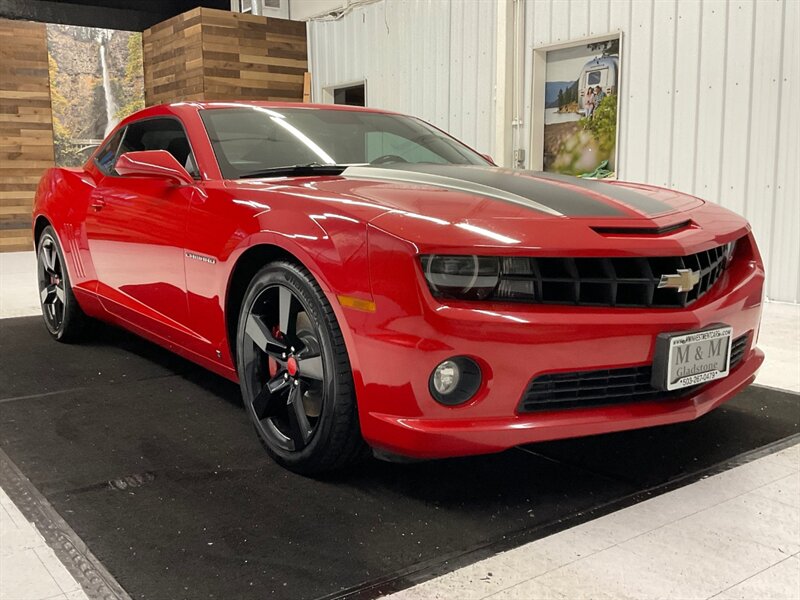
{"x":708,"y":95}
{"x":735,"y":143}
{"x":763,"y":134}
{"x":784,"y":233}
{"x":579,"y":19}
{"x":707,"y":105}
{"x":484,"y":137}
{"x":635,"y":100}
{"x":560,"y":15}
{"x":599,"y":15}
{"x":710,"y":101}
{"x":619,"y":19}
{"x":659,"y":138}
{"x":686,"y":100}
{"x":431,"y":58}
{"x":300,"y":10}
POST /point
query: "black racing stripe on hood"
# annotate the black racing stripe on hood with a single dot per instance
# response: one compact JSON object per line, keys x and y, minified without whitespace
{"x":643,"y":203}
{"x":568,"y":202}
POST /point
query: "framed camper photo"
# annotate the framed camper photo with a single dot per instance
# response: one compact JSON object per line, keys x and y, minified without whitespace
{"x":575,"y":109}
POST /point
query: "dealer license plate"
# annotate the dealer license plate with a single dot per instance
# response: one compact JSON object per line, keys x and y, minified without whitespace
{"x":686,"y":359}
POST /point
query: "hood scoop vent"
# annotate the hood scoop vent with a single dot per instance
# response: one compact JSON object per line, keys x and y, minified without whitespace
{"x":642,"y":230}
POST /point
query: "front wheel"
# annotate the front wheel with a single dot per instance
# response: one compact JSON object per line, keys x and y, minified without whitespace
{"x":294,"y":373}
{"x":63,"y":317}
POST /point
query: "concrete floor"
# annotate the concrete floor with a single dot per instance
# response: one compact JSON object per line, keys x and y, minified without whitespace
{"x":733,"y":535}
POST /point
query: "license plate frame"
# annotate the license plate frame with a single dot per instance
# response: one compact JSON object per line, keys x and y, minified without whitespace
{"x":686,"y":358}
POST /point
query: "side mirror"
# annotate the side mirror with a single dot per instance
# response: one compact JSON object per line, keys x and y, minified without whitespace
{"x":489,"y":158}
{"x":153,"y":163}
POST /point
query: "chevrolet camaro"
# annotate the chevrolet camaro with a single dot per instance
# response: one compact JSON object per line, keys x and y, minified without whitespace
{"x":372,"y":283}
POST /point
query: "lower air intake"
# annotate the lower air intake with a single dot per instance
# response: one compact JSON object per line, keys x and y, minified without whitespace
{"x":582,"y":389}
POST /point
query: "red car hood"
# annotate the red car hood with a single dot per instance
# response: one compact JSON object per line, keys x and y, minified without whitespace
{"x":450,"y":207}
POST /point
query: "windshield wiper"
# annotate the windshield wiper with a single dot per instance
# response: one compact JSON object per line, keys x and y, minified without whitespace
{"x":298,"y":170}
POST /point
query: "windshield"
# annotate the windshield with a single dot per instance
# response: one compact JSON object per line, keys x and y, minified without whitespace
{"x":248,"y":140}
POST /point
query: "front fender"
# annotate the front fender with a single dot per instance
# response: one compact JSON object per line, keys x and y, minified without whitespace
{"x":332,"y":247}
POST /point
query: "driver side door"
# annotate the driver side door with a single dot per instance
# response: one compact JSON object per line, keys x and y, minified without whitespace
{"x":136,"y":230}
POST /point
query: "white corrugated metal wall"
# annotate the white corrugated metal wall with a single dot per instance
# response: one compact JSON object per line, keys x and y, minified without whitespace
{"x":708,"y":105}
{"x":430,"y":58}
{"x":708,"y":97}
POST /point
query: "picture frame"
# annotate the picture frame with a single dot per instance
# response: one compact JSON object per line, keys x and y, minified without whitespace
{"x":542,"y":142}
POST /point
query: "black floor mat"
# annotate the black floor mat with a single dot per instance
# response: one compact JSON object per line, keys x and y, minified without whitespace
{"x":152,"y":461}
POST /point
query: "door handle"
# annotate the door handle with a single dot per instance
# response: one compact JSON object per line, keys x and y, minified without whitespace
{"x":97,"y":202}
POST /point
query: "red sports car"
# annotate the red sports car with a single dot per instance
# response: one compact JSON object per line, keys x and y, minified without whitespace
{"x":372,"y":282}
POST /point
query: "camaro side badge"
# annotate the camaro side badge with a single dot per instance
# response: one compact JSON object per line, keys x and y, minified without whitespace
{"x":683,"y":281}
{"x":205,"y":259}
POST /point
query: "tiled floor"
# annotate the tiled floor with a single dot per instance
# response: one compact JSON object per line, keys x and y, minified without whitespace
{"x":780,"y":341}
{"x":18,"y":294}
{"x":29,"y":569}
{"x":734,"y":535}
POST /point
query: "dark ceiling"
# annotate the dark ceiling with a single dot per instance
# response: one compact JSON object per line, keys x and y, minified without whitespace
{"x":132,"y":15}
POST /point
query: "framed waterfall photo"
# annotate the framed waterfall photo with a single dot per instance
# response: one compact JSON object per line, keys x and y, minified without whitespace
{"x":96,"y":79}
{"x":575,"y":108}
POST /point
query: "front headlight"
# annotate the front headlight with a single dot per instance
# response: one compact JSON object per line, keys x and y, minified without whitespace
{"x":461,"y":277}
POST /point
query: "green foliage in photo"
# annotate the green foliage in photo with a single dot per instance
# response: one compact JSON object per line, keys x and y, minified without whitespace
{"x":130,"y":86}
{"x":66,"y":152}
{"x":603,"y":124}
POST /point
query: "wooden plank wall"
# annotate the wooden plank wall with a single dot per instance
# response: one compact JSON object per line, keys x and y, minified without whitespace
{"x":249,"y":57}
{"x":26,"y":127}
{"x":173,"y":59}
{"x":218,"y":55}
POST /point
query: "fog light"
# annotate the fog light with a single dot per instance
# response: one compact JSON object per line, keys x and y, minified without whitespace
{"x":455,"y":380}
{"x":445,"y":377}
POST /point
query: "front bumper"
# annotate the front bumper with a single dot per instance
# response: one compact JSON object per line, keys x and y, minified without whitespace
{"x":439,"y":438}
{"x":395,"y":349}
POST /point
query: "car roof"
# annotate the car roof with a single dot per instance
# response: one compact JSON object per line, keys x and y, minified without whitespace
{"x":192,"y":105}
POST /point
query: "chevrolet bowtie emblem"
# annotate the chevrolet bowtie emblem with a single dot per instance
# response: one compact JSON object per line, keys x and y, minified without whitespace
{"x":683,"y":281}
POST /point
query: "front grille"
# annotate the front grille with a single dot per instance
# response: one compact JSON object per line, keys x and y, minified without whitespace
{"x":605,"y":386}
{"x":624,"y":282}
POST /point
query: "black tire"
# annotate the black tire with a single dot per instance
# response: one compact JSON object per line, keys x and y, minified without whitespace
{"x":63,"y":317}
{"x":304,"y":411}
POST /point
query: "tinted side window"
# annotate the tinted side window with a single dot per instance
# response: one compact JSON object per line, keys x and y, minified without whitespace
{"x":160,"y":134}
{"x":107,"y":156}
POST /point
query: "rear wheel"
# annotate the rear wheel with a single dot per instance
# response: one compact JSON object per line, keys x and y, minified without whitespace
{"x":63,"y":317}
{"x":294,"y":372}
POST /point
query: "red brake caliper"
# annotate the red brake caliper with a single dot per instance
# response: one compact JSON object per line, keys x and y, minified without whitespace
{"x":271,"y":362}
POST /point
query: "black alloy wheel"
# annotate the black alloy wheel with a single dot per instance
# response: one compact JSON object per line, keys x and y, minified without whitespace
{"x":294,"y":373}
{"x":62,"y":314}
{"x":285,"y":360}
